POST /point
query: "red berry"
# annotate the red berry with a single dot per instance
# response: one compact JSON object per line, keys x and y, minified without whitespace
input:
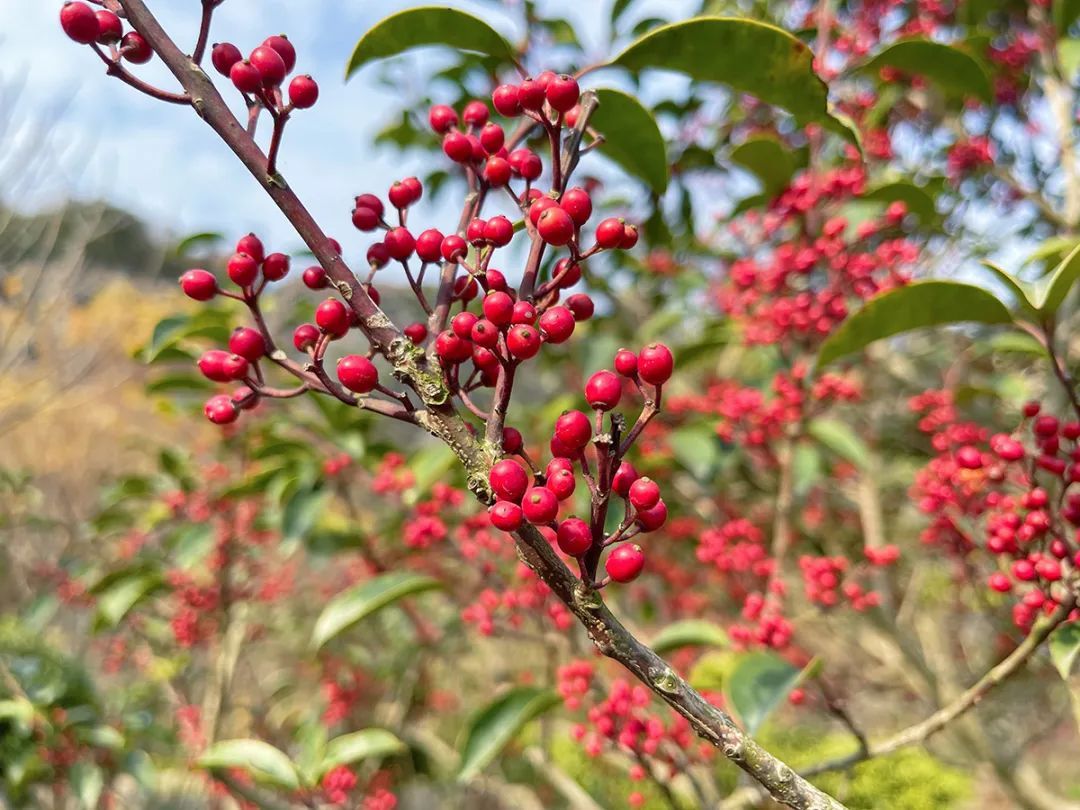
{"x":247,"y":343}
{"x":525,"y":163}
{"x":475,"y":113}
{"x":466,"y":288}
{"x":655,"y":363}
{"x":357,"y":373}
{"x":378,"y":255}
{"x":270,"y":65}
{"x":110,"y":27}
{"x":524,"y":312}
{"x":497,"y":172}
{"x":79,"y":22}
{"x":562,"y":484}
{"x":303,"y":92}
{"x":575,"y":537}
{"x":512,"y":442}
{"x":1046,"y":426}
{"x":581,"y":306}
{"x":252,"y":246}
{"x":506,"y":516}
{"x":442,"y":118}
{"x":999,"y":582}
{"x":539,"y":206}
{"x":498,"y":308}
{"x":566,"y":273}
{"x":1031,"y":408}
{"x":562,"y":93}
{"x":451,"y":348}
{"x":135,"y":48}
{"x":1024,"y":570}
{"x":498,"y":231}
{"x":315,"y":278}
{"x":457,"y":146}
{"x":234,"y":367}
{"x":276,"y":266}
{"x":400,"y":243}
{"x":577,"y":203}
{"x":523,"y":341}
{"x":199,"y":285}
{"x":969,"y":458}
{"x":492,"y":138}
{"x":644,"y":494}
{"x":453,"y":248}
{"x":555,"y":226}
{"x":401,"y":195}
{"x":624,"y":477}
{"x":242,"y":269}
{"x":610,"y":233}
{"x":246,"y":77}
{"x":485,"y":333}
{"x":305,"y":336}
{"x":540,"y":506}
{"x":630,"y":237}
{"x":333,"y":317}
{"x":212,"y":365}
{"x":244,"y":398}
{"x":506,"y":100}
{"x":429,"y":245}
{"x":603,"y":390}
{"x":416,"y":332}
{"x":557,"y":324}
{"x":625,"y":563}
{"x":224,"y":55}
{"x":284,"y":48}
{"x":573,"y":430}
{"x":462,"y":324}
{"x":495,"y":280}
{"x":508,"y":480}
{"x":221,"y":410}
{"x":626,"y":363}
{"x":531,"y":94}
{"x":487,"y":360}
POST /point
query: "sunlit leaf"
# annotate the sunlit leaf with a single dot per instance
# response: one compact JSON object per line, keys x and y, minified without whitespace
{"x":689,"y":633}
{"x":262,"y":760}
{"x":955,"y":73}
{"x":840,"y":438}
{"x":757,"y":684}
{"x":631,"y":137}
{"x":498,"y":723}
{"x":350,"y":748}
{"x":355,"y":604}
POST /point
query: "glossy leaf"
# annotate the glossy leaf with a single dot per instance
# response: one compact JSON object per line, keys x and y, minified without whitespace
{"x":497,"y":724}
{"x":1018,"y":290}
{"x":631,"y":137}
{"x":768,"y":160}
{"x":1049,"y":293}
{"x":1064,"y":647}
{"x":348,"y":608}
{"x":198,"y":240}
{"x":689,"y":633}
{"x":87,"y":783}
{"x":757,"y":684}
{"x":262,"y":760}
{"x":697,"y":448}
{"x":360,"y":745}
{"x":428,"y":25}
{"x":918,"y":305}
{"x":116,"y":600}
{"x":955,"y":73}
{"x":749,"y":56}
{"x":839,"y":437}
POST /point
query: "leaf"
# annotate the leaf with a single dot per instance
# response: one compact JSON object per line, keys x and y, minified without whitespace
{"x":917,"y":199}
{"x":301,"y":511}
{"x":205,"y":239}
{"x":18,"y":709}
{"x":631,"y":137}
{"x":1069,"y":57}
{"x":689,"y":633}
{"x":1065,"y":14}
{"x":428,"y":25}
{"x":430,"y":464}
{"x":1053,"y":250}
{"x":117,"y":600}
{"x":840,"y":439}
{"x":924,"y":303}
{"x":1064,"y":646}
{"x":1050,"y":291}
{"x":768,"y":160}
{"x":260,"y":759}
{"x":757,"y":684}
{"x":87,"y":783}
{"x":619,"y":8}
{"x":955,"y":73}
{"x":350,"y":748}
{"x":697,"y":448}
{"x":749,"y":56}
{"x":165,"y":332}
{"x":1020,"y":291}
{"x":497,"y":724}
{"x":349,"y":607}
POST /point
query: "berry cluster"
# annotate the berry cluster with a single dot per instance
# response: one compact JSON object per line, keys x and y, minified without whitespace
{"x":103,"y":27}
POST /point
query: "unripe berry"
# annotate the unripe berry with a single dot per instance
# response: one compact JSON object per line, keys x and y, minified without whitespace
{"x":603,"y":390}
{"x":484,"y":333}
{"x":655,"y":363}
{"x":644,"y":494}
{"x":524,"y":312}
{"x":221,"y":410}
{"x":252,"y":246}
{"x":624,"y":478}
{"x":581,"y":306}
{"x":305,"y":336}
{"x":573,"y":429}
{"x":332,"y":317}
{"x":303,"y":92}
{"x":497,"y":172}
{"x":135,"y":49}
{"x":247,"y":343}
{"x":562,"y":484}
{"x":429,"y":245}
{"x":626,"y":363}
{"x":457,"y":146}
{"x":79,"y":22}
{"x":508,"y":480}
{"x":625,"y":563}
{"x":453,"y":248}
{"x":531,"y":94}
{"x":506,"y":516}
{"x":562,"y":93}
{"x":270,"y":65}
{"x":242,"y":269}
{"x":540,"y":506}
{"x":246,"y":77}
{"x":539,"y":206}
{"x":610,"y":233}
{"x":498,"y":231}
{"x":357,"y":373}
{"x":199,"y":285}
{"x":416,"y":332}
{"x":452,"y":349}
{"x":575,"y":537}
{"x":577,"y":203}
{"x":523,"y":341}
{"x":492,"y":138}
{"x":555,"y":226}
{"x":475,"y":113}
{"x":276,"y":266}
{"x":442,"y":118}
{"x":400,"y":243}
{"x":110,"y":27}
{"x":506,"y":100}
{"x":557,"y":324}
{"x":224,"y":55}
{"x":315,"y":278}
{"x":280,"y":43}
{"x":498,"y":308}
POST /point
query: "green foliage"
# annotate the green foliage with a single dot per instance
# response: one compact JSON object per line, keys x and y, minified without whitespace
{"x":840,"y":438}
{"x":263,"y":761}
{"x":496,"y":725}
{"x":349,"y":749}
{"x":356,"y":604}
{"x":772,"y":162}
{"x":956,"y":74}
{"x":631,"y":137}
{"x":758,"y":683}
{"x":689,"y":633}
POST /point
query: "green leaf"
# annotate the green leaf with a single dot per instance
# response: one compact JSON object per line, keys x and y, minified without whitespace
{"x":87,"y":783}
{"x":841,"y":439}
{"x":179,"y":384}
{"x":197,"y":240}
{"x":1053,"y":250}
{"x":18,"y":709}
{"x":757,"y":684}
{"x":116,"y":600}
{"x":619,"y":8}
{"x":689,"y":633}
{"x":349,"y":607}
{"x":1050,"y":291}
{"x":697,"y":448}
{"x":631,"y":137}
{"x":301,"y":511}
{"x":768,"y":160}
{"x":749,"y":56}
{"x":955,"y":73}
{"x":918,"y":200}
{"x":430,"y":464}
{"x":260,"y":759}
{"x":497,"y":724}
{"x":1069,"y":56}
{"x":1064,"y":646}
{"x":924,"y":303}
{"x":1065,"y":14}
{"x":428,"y":25}
{"x":1021,"y":292}
{"x":350,"y":748}
{"x":165,"y":332}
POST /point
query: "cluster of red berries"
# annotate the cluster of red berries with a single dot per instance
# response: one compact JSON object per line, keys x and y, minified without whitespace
{"x":264,"y":71}
{"x":969,"y":154}
{"x":103,"y":27}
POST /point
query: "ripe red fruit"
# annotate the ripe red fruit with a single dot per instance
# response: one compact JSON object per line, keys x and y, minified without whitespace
{"x":508,"y":480}
{"x":315,"y":278}
{"x":499,"y":231}
{"x":524,"y":312}
{"x":540,"y":506}
{"x":531,"y":94}
{"x":626,"y":363}
{"x":562,"y":93}
{"x":221,"y":410}
{"x":495,"y":280}
{"x":246,"y":77}
{"x":566,"y":273}
{"x":487,"y":360}
{"x":558,"y":465}
{"x":610,"y":233}
{"x":655,"y":363}
{"x":512,"y":442}
{"x":247,"y":343}
{"x":506,"y":516}
{"x":492,"y":138}
{"x":577,"y":203}
{"x":199,"y":285}
{"x":303,"y":92}
{"x":498,"y":308}
{"x":400,"y":243}
{"x":429,"y":245}
{"x":562,"y":483}
{"x":442,"y":118}
{"x":416,"y":332}
{"x":451,"y":348}
{"x":644,"y":494}
{"x":555,"y":226}
{"x":630,"y":237}
{"x":244,"y":398}
{"x":466,"y":288}
{"x":242,"y":269}
{"x":212,"y":365}
{"x":270,"y":65}
{"x":224,"y":55}
{"x":135,"y":48}
{"x":475,"y":113}
{"x":357,"y":373}
{"x":525,"y":163}
{"x":625,"y":563}
{"x":402,"y":194}
{"x":573,"y":430}
{"x":378,"y":255}
{"x":624,"y":477}
{"x":79,"y":22}
{"x":969,"y":458}
{"x":523,"y":341}
{"x":652,"y":519}
{"x":497,"y":172}
{"x":305,"y":336}
{"x":276,"y":266}
{"x":506,"y":100}
{"x":539,"y":206}
{"x":484,"y":333}
{"x":332,"y":317}
{"x":474,"y":232}
{"x":462,"y":324}
{"x":234,"y":367}
{"x":110,"y":27}
{"x":581,"y":306}
{"x":252,"y":246}
{"x":557,"y":324}
{"x":457,"y":146}
{"x":575,"y":537}
{"x":603,"y":390}
{"x":284,"y":48}
{"x":1031,"y":408}
{"x":453,"y":248}
{"x":999,"y":582}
